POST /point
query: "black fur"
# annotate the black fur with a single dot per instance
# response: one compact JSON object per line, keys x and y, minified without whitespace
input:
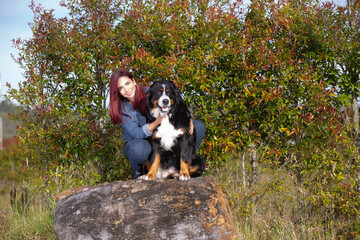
{"x":179,"y":118}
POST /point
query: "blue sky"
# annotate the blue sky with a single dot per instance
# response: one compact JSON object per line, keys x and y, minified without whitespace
{"x":14,"y":18}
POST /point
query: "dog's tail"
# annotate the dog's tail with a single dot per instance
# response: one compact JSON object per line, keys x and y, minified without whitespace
{"x":197,"y":167}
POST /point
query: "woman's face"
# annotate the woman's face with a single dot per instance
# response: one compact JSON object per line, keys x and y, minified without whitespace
{"x":127,"y":88}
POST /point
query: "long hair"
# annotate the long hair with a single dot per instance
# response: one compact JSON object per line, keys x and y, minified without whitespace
{"x":117,"y":101}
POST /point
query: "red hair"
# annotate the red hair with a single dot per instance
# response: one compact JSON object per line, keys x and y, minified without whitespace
{"x":117,"y":101}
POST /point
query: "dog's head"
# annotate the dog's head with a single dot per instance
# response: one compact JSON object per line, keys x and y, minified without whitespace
{"x":162,"y":97}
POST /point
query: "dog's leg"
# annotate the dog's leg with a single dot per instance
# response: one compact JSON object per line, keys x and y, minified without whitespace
{"x":153,"y":169}
{"x":193,"y":169}
{"x":184,"y":170}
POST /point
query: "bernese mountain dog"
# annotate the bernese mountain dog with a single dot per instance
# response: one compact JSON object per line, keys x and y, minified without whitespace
{"x":173,"y":147}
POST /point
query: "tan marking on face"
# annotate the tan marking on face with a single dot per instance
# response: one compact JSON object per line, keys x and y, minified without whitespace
{"x":156,"y":102}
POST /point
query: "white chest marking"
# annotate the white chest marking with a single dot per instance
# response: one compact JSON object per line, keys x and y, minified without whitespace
{"x":168,"y":134}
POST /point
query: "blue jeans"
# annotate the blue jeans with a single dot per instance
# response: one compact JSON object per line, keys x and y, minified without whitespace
{"x":138,"y":150}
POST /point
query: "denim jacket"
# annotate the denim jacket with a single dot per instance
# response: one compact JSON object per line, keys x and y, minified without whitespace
{"x":133,"y":123}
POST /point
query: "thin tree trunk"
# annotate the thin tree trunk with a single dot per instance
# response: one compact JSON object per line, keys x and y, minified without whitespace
{"x":244,"y":169}
{"x":301,"y":215}
{"x":355,"y":109}
{"x":347,"y":112}
{"x":253,"y":163}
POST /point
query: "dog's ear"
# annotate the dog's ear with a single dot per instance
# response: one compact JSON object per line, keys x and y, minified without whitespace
{"x":149,"y":104}
{"x":177,"y":92}
{"x":149,"y":95}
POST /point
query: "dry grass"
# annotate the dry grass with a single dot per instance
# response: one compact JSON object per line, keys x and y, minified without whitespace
{"x":31,"y":214}
{"x":35,"y":223}
{"x":270,"y":209}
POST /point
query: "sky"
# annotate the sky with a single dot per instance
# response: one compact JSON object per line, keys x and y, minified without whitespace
{"x":15,"y":16}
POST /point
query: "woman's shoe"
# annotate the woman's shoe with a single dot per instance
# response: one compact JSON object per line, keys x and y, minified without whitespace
{"x":136,"y":174}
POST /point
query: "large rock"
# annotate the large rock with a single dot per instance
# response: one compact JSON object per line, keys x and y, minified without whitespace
{"x":139,"y":209}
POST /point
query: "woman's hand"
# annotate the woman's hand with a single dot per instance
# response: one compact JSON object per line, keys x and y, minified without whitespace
{"x":159,"y":119}
{"x":156,"y":123}
{"x":191,"y":129}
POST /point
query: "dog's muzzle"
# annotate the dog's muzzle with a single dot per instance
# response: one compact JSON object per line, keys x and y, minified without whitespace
{"x":164,"y":103}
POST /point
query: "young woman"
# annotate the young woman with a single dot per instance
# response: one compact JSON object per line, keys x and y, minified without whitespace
{"x":127,"y":108}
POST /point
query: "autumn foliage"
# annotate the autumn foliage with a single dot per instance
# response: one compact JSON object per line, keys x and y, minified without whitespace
{"x":264,"y":78}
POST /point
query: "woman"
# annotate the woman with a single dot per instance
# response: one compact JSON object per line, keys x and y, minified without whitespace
{"x":128,"y":108}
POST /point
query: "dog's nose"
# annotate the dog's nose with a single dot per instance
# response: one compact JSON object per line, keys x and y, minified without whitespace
{"x":166,"y":101}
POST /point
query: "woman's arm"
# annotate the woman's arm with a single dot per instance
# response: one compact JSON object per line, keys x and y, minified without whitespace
{"x":155,"y":123}
{"x":135,"y":131}
{"x":132,"y":129}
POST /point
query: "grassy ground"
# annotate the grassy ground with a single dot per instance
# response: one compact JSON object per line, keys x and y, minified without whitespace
{"x":27,"y":214}
{"x":274,"y":215}
{"x":29,"y":217}
{"x":269,"y":211}
{"x":34,"y":222}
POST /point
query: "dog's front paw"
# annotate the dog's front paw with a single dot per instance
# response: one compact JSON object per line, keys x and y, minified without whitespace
{"x":184,"y":178}
{"x":144,"y":177}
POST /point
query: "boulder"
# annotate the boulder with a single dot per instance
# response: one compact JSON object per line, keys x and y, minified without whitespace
{"x":140,"y":209}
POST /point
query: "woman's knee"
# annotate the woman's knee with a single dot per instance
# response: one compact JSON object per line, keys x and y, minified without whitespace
{"x":138,"y":146}
{"x":199,"y":127}
{"x":137,"y":151}
{"x":200,"y":132}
